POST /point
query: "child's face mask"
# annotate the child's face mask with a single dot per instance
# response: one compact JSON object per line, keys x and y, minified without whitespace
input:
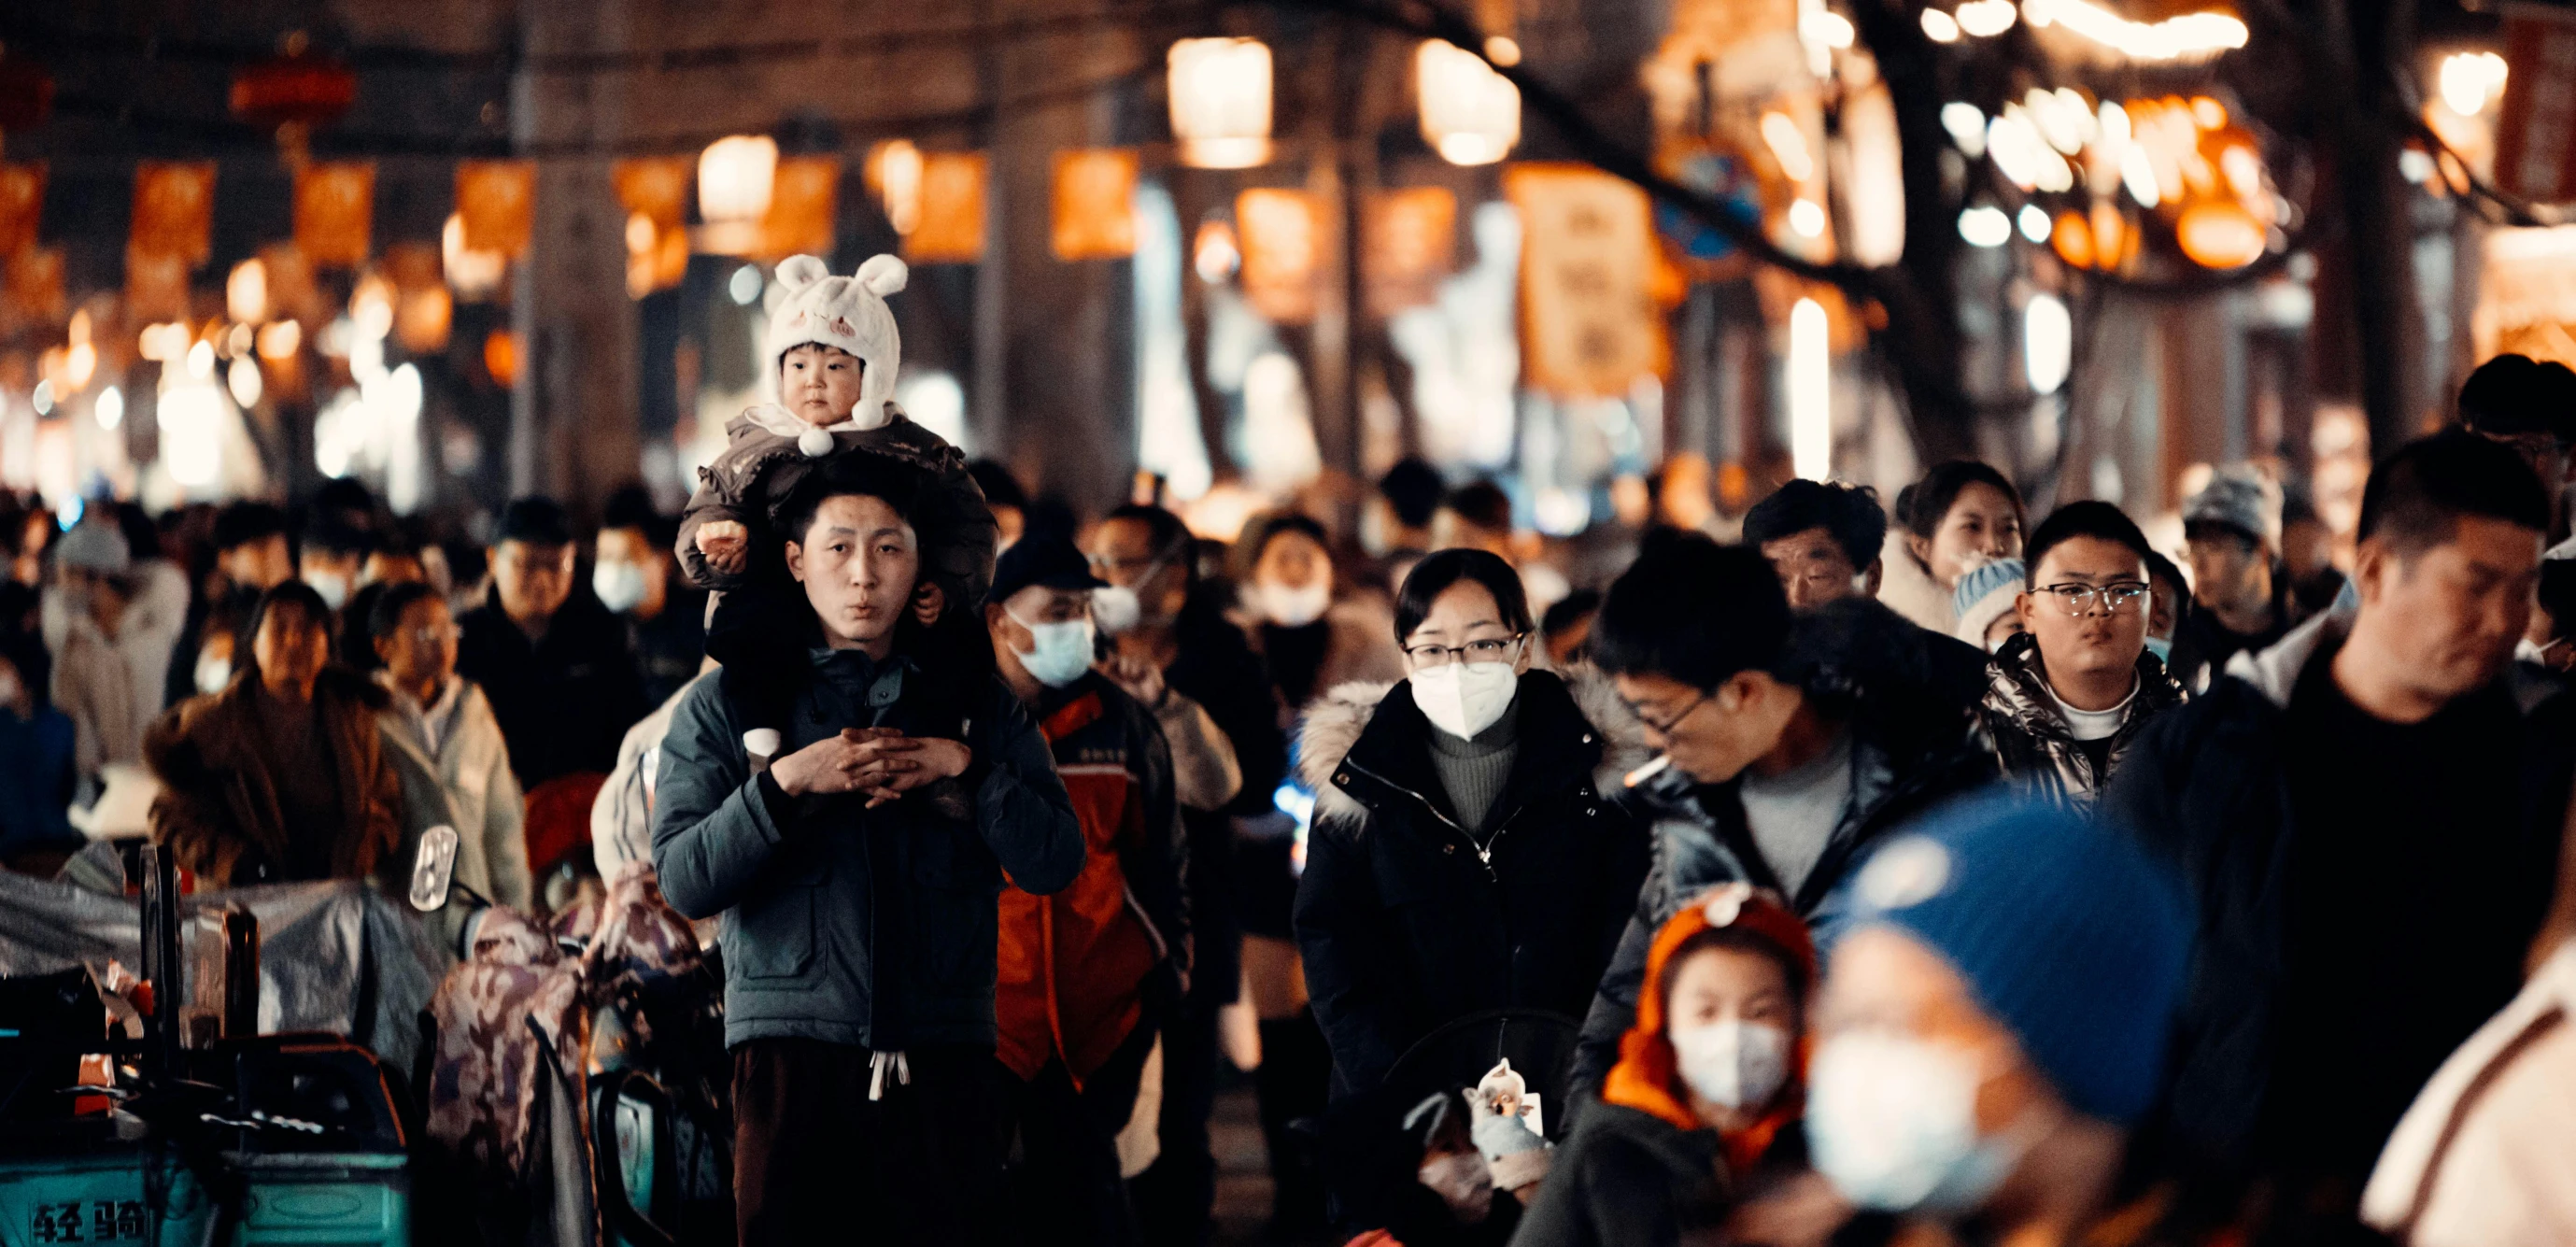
{"x":819,"y":384}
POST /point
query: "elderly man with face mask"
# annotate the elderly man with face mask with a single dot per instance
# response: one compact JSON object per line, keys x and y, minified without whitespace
{"x":2371,"y":823}
{"x":1788,"y":745}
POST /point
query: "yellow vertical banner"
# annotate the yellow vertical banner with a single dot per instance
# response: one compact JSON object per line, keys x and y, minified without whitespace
{"x":1408,"y":241}
{"x":804,"y":203}
{"x":22,"y":205}
{"x":497,"y":200}
{"x":952,"y":209}
{"x":174,"y":209}
{"x":1281,"y":233}
{"x":1094,"y":204}
{"x":1589,"y":323}
{"x":335,"y":205}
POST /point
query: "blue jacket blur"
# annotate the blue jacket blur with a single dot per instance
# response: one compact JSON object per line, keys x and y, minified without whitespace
{"x":873,"y":928}
{"x":36,"y":780}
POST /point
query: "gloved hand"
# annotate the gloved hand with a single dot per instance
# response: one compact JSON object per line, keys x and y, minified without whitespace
{"x":1514,"y":1154}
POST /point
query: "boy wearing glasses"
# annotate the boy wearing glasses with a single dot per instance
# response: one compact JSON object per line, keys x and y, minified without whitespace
{"x":2068,"y":695}
{"x":447,"y":749}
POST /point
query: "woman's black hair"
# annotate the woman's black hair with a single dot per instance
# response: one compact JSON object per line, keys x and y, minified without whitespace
{"x":1924,"y":504}
{"x":292,"y":595}
{"x":1262,"y":530}
{"x":1439,"y":570}
{"x":1741,"y":940}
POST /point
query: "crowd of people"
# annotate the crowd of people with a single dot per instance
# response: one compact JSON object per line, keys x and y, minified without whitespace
{"x":1958,"y":878}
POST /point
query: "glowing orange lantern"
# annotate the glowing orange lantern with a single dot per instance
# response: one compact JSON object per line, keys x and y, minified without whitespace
{"x":2219,"y":234}
{"x":2072,"y":239}
{"x":1095,"y":215}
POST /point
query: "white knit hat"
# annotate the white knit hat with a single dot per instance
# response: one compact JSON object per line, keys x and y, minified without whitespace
{"x":845,"y":312}
{"x":1985,"y":594}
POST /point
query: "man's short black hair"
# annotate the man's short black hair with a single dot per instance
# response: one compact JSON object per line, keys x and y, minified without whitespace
{"x":1570,"y":610}
{"x":1440,"y":569}
{"x":242,"y":523}
{"x":872,"y":476}
{"x":536,"y":521}
{"x":1165,"y":534}
{"x":330,"y":534}
{"x":1413,"y":488}
{"x":631,"y":506}
{"x":1001,"y":489}
{"x":2418,"y":494}
{"x":385,"y":617}
{"x":1849,"y":513}
{"x":2088,"y":518}
{"x":1483,"y":504}
{"x":1694,"y":611}
{"x":2515,"y":395}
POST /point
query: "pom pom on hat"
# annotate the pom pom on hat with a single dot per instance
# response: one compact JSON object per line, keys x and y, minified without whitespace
{"x":814,"y":442}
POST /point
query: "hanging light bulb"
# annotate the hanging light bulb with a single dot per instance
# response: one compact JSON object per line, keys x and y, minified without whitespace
{"x":1471,"y":115}
{"x":735,"y":177}
{"x":1220,"y":90}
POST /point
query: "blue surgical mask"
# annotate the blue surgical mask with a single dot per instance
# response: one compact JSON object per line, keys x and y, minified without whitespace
{"x":619,"y":584}
{"x":1062,"y":650}
{"x":2162,"y":648}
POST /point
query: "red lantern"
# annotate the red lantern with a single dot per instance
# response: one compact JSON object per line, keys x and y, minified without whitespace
{"x":297,"y":89}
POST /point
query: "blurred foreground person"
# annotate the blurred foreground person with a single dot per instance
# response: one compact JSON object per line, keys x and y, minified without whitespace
{"x":1462,"y":859}
{"x":1823,"y":538}
{"x":1703,"y":1108}
{"x":2528,"y":406}
{"x":2372,"y":825}
{"x":2485,"y":1157}
{"x":1961,"y":515}
{"x":1089,"y":974}
{"x":2239,"y":600}
{"x":447,"y":747}
{"x":36,"y":772}
{"x":2167,"y":608}
{"x":2071,"y":694}
{"x":858,"y":852}
{"x":1993,"y":1025}
{"x":281,"y":777}
{"x":1790,"y":746}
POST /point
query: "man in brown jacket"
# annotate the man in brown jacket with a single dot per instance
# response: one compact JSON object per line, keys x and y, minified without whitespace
{"x":282,"y":776}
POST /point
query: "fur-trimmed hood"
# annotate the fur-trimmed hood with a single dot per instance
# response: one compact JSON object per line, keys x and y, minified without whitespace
{"x":1334,"y":722}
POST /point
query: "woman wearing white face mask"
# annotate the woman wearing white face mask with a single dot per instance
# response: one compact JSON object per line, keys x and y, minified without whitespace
{"x":1993,"y":1022}
{"x":1461,"y":857}
{"x":1309,"y":641}
{"x":1705,"y":1099}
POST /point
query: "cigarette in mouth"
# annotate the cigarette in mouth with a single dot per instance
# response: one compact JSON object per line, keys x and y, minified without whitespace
{"x":1662,"y":762}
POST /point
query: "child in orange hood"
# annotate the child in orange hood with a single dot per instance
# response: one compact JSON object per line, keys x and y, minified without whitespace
{"x":1708,"y":1089}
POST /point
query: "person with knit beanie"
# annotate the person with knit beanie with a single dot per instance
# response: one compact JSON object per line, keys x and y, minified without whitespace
{"x":1994,"y":1019}
{"x":1704,"y":1103}
{"x":833,"y":351}
{"x":1984,"y":602}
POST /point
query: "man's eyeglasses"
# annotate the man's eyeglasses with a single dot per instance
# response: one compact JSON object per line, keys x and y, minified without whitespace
{"x":1491,"y":649}
{"x":2081,"y":599}
{"x":1665,"y":728}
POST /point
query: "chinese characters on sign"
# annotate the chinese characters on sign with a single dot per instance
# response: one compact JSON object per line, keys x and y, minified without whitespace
{"x":1589,"y":325}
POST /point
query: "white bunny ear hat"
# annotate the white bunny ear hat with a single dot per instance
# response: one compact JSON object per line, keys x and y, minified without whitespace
{"x":846,"y":312}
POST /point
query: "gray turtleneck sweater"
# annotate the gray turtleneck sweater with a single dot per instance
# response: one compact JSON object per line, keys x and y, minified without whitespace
{"x":1473,"y":771}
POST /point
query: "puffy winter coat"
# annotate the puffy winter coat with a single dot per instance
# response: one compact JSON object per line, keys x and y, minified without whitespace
{"x":872,"y":928}
{"x":1079,"y":968}
{"x":1902,"y":764}
{"x":2207,"y":786}
{"x":1406,"y":922}
{"x":218,"y":811}
{"x":2029,"y":735}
